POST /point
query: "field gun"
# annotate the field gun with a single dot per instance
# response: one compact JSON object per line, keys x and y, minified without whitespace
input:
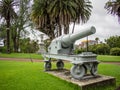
{"x":62,"y":48}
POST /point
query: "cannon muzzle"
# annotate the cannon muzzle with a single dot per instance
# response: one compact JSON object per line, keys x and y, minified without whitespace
{"x":67,"y":40}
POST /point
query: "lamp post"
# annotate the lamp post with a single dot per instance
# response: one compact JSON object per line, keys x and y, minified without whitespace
{"x":87,"y":49}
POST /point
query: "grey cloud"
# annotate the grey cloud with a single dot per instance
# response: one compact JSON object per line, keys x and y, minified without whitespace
{"x":106,"y":25}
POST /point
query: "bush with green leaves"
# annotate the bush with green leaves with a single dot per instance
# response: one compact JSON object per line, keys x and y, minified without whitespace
{"x":92,"y":48}
{"x":102,"y":49}
{"x":28,"y":46}
{"x":78,"y":51}
{"x":115,"y":51}
{"x":113,"y":41}
{"x":3,"y":49}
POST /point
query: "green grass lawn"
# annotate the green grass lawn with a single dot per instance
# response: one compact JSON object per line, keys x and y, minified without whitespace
{"x":30,"y":76}
{"x":22,"y":55}
{"x":108,"y":58}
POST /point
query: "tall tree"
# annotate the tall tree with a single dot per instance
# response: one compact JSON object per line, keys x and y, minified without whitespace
{"x":97,"y":39}
{"x":113,"y":7}
{"x":41,"y":17}
{"x":83,"y":11}
{"x":66,"y":11}
{"x":22,"y":22}
{"x":60,"y":13}
{"x":113,"y":41}
{"x":7,"y":12}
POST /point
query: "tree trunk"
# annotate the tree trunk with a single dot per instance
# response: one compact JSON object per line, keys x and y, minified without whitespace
{"x":8,"y":32}
{"x":18,"y":41}
{"x":66,"y":29}
{"x":73,"y":27}
{"x":60,"y":30}
{"x":15,"y":44}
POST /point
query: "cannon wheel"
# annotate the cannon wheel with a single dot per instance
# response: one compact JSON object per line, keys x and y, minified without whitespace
{"x":60,"y":64}
{"x":77,"y":71}
{"x":93,"y":70}
{"x":47,"y":65}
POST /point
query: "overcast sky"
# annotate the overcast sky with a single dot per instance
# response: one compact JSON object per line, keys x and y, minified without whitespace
{"x":106,"y":25}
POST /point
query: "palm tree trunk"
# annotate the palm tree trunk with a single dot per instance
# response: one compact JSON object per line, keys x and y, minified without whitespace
{"x":8,"y":35}
{"x":8,"y":32}
{"x":15,"y":44}
{"x":60,"y":30}
{"x":65,"y":29}
{"x":18,"y":40}
{"x":73,"y":27}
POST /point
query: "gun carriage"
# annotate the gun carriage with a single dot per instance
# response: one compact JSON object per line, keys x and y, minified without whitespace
{"x":62,"y":48}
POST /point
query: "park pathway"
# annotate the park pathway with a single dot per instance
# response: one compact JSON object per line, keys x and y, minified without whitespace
{"x":116,"y":63}
{"x":36,"y":60}
{"x":21,"y":59}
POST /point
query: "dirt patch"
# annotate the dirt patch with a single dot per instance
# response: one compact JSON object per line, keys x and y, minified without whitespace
{"x":116,"y":63}
{"x":36,"y":60}
{"x":21,"y":59}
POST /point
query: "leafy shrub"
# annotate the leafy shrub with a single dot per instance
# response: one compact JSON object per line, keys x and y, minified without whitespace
{"x":78,"y":51}
{"x":102,"y":49}
{"x":115,"y":51}
{"x":113,"y":41}
{"x":92,"y":48}
{"x":3,"y":49}
{"x":28,"y":46}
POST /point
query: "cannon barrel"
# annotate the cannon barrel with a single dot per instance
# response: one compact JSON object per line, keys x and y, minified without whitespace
{"x":67,"y":40}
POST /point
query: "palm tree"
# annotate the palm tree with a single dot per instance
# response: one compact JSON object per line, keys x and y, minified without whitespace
{"x":19,"y":24}
{"x":41,"y":18}
{"x":83,"y":11}
{"x":66,"y":11}
{"x":97,"y":39}
{"x":62,"y":11}
{"x":113,"y":7}
{"x":7,"y":12}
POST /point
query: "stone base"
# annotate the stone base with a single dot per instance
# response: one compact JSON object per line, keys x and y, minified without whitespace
{"x":87,"y":82}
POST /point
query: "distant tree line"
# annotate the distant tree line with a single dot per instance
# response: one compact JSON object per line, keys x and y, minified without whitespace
{"x":15,"y":18}
{"x":26,"y":46}
{"x":111,"y":47}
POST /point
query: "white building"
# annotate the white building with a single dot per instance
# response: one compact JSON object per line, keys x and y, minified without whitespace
{"x":1,"y":42}
{"x":84,"y":43}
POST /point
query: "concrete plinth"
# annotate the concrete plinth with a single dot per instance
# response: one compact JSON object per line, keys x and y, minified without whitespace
{"x":87,"y":82}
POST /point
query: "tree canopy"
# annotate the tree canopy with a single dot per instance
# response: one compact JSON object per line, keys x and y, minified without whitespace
{"x":16,"y":14}
{"x":50,"y":16}
{"x":113,"y":7}
{"x":8,"y":13}
{"x":113,"y":41}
